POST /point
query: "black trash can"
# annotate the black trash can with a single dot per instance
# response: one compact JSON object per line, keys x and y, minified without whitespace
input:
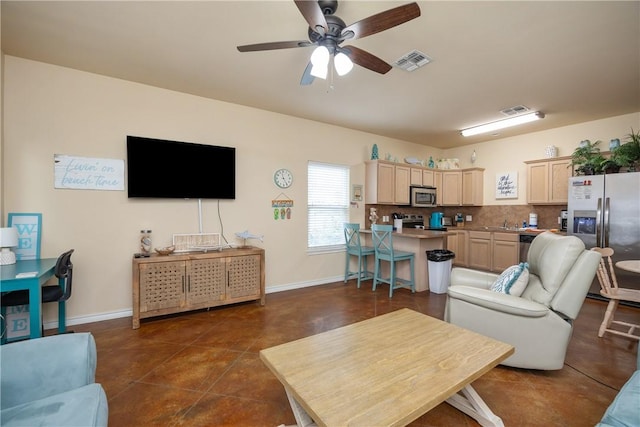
{"x":439,"y":264}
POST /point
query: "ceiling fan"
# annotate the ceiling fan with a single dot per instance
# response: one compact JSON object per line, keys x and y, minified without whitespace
{"x":327,"y":32}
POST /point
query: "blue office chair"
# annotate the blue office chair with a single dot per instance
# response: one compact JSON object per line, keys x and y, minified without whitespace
{"x":51,"y":293}
{"x":354,"y":248}
{"x":384,"y":251}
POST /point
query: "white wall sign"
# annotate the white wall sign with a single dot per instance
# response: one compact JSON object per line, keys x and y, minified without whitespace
{"x":507,"y":185}
{"x":88,"y":173}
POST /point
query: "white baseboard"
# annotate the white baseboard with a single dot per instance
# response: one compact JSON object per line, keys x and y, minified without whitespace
{"x":91,"y":318}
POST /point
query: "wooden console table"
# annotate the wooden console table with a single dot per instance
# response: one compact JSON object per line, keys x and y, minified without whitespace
{"x":182,"y":282}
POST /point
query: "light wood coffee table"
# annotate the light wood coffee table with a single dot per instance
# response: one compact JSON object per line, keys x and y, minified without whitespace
{"x":385,"y":371}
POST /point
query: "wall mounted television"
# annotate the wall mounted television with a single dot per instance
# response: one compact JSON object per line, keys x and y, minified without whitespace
{"x":158,"y":168}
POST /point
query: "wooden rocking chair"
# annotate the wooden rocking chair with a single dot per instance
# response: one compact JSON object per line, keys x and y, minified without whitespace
{"x":610,"y":290}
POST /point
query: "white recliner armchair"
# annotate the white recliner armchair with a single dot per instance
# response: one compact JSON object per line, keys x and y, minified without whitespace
{"x":539,"y":323}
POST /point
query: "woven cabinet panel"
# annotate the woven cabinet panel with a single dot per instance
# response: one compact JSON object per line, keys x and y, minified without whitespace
{"x":244,"y":276}
{"x":207,"y":278}
{"x":161,"y":285}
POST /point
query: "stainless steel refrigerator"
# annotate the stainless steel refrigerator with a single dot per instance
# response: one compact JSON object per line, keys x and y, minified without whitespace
{"x":604,"y":211}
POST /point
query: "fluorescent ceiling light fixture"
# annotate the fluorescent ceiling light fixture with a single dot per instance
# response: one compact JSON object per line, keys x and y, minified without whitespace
{"x":320,"y":61}
{"x":501,"y":124}
{"x":342,"y":63}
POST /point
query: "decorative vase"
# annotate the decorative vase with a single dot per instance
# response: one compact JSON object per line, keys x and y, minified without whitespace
{"x":374,"y":152}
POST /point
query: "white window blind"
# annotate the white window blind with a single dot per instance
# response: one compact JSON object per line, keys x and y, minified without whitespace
{"x":328,"y":205}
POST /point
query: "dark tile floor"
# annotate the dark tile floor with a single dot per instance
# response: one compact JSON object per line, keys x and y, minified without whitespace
{"x":203,"y":369}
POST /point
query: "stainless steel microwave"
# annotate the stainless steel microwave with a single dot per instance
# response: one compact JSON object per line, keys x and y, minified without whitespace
{"x":423,"y":197}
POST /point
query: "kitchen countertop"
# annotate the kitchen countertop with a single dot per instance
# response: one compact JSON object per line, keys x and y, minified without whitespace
{"x":507,"y":230}
{"x":415,"y":233}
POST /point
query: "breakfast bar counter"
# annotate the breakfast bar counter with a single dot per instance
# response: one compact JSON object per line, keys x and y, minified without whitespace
{"x":417,"y":241}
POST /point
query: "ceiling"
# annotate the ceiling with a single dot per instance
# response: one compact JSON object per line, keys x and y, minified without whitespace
{"x":575,"y":61}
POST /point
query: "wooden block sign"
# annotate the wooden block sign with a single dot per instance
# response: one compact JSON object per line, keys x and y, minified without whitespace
{"x":88,"y":173}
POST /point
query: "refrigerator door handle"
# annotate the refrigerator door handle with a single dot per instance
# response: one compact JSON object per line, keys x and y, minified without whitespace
{"x":599,"y":223}
{"x":606,"y":223}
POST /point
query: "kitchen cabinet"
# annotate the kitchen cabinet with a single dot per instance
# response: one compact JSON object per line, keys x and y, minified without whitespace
{"x":402,"y":180}
{"x":472,"y":187}
{"x":451,"y":188}
{"x":177,"y":283}
{"x":387,"y":183}
{"x":422,"y":176}
{"x":428,"y":178}
{"x":457,"y":243}
{"x":479,"y":256}
{"x":492,"y":251}
{"x":379,"y":182}
{"x":437,"y":182}
{"x":548,"y":181}
{"x":462,"y":187}
{"x":416,"y":176}
{"x":504,"y":251}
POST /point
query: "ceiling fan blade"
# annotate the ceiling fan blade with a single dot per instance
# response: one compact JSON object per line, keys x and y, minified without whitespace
{"x":312,"y":12}
{"x":381,"y":21}
{"x":366,"y":60}
{"x":307,"y":78}
{"x":274,"y":45}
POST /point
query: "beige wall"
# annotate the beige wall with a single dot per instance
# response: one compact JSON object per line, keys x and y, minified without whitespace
{"x":52,"y":110}
{"x":509,"y":154}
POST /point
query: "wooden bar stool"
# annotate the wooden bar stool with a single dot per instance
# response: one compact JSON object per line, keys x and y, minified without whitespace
{"x":383,"y":244}
{"x":354,"y":248}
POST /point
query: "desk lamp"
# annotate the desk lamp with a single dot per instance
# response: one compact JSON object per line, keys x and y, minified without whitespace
{"x":8,"y":240}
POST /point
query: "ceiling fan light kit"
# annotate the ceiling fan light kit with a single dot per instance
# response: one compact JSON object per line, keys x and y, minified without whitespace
{"x":327,"y":32}
{"x":320,"y":62}
{"x":501,"y":124}
{"x":342,"y":63}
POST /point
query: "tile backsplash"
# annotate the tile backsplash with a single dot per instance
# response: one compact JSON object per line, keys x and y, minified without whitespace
{"x":482,"y":216}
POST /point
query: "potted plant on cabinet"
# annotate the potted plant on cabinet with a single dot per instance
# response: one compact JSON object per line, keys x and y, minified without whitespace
{"x":628,"y":154}
{"x":586,"y":158}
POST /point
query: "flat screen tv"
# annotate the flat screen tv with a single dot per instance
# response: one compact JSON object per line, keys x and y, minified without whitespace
{"x":160,"y":168}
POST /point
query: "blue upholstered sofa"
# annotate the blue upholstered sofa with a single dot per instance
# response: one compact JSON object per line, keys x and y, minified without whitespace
{"x":51,"y":382}
{"x":624,"y":411}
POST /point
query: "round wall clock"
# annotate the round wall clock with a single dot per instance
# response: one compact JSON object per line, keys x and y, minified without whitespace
{"x":283,"y":178}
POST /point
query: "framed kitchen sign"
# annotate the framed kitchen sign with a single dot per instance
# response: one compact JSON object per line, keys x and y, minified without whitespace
{"x":507,"y":185}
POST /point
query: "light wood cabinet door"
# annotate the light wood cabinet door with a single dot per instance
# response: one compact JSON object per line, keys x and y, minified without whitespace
{"x":385,"y":186}
{"x":437,"y":182}
{"x":402,"y":184}
{"x":548,"y":181}
{"x":479,"y":256}
{"x":505,"y":251}
{"x":559,"y":174}
{"x":428,"y":178}
{"x":537,"y":183}
{"x":379,"y":182}
{"x":451,"y":188}
{"x":457,"y":244}
{"x":416,"y":176}
{"x":472,"y":187}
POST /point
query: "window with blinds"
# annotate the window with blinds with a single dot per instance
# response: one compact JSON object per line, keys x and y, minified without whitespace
{"x":328,"y":206}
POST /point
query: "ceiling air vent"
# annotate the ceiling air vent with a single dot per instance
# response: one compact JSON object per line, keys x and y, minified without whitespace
{"x":412,"y":61}
{"x":514,"y":111}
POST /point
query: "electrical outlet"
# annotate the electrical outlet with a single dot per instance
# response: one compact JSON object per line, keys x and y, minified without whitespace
{"x":468,"y":219}
{"x":385,"y":218}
